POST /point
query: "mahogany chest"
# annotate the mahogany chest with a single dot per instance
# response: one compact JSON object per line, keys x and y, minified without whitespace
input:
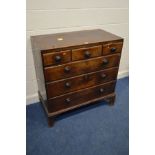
{"x":75,"y":69}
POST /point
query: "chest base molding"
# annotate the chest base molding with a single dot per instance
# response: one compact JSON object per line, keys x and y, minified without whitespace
{"x":109,"y":99}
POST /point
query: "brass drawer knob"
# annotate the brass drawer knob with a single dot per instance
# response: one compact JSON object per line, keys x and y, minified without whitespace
{"x":57,"y":58}
{"x":105,"y":61}
{"x":101,"y":90}
{"x":87,"y":54}
{"x":67,"y":69}
{"x":68,"y":84}
{"x":113,"y":49}
{"x":68,"y":100}
{"x":103,"y":76}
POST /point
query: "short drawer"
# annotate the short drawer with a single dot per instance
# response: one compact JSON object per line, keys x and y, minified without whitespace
{"x":80,"y":67}
{"x":86,"y":53}
{"x":56,"y":58}
{"x":112,"y":48}
{"x":80,"y":97}
{"x":80,"y":82}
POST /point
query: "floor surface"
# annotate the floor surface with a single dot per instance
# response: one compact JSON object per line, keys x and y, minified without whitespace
{"x":94,"y":130}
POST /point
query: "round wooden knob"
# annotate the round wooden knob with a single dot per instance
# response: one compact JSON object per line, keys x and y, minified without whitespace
{"x":105,"y":61}
{"x":68,"y":100}
{"x":113,"y":49}
{"x":57,"y":58}
{"x":103,"y":76}
{"x":68,"y":84}
{"x":67,"y":69}
{"x":87,"y":54}
{"x":101,"y":90}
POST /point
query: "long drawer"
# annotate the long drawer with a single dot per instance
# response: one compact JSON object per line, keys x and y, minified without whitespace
{"x":80,"y":82}
{"x":82,"y":96}
{"x":80,"y":67}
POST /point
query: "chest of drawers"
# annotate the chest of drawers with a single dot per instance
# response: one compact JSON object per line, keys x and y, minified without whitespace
{"x":75,"y":69}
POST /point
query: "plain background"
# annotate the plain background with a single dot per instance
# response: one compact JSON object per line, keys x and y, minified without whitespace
{"x":54,"y":16}
{"x":13,"y":77}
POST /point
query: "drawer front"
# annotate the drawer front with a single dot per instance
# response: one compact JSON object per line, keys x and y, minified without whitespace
{"x":56,"y":58}
{"x":112,"y":48}
{"x":86,"y":53}
{"x":77,"y":98}
{"x":80,"y":67}
{"x":80,"y":82}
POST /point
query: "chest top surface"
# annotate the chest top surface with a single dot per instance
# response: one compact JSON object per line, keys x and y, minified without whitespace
{"x":69,"y":39}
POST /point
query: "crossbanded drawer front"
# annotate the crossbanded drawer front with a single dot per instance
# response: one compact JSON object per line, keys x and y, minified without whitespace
{"x":86,"y":53}
{"x":80,"y":82}
{"x":56,"y":58}
{"x":78,"y":98}
{"x":112,"y":48}
{"x":80,"y":67}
